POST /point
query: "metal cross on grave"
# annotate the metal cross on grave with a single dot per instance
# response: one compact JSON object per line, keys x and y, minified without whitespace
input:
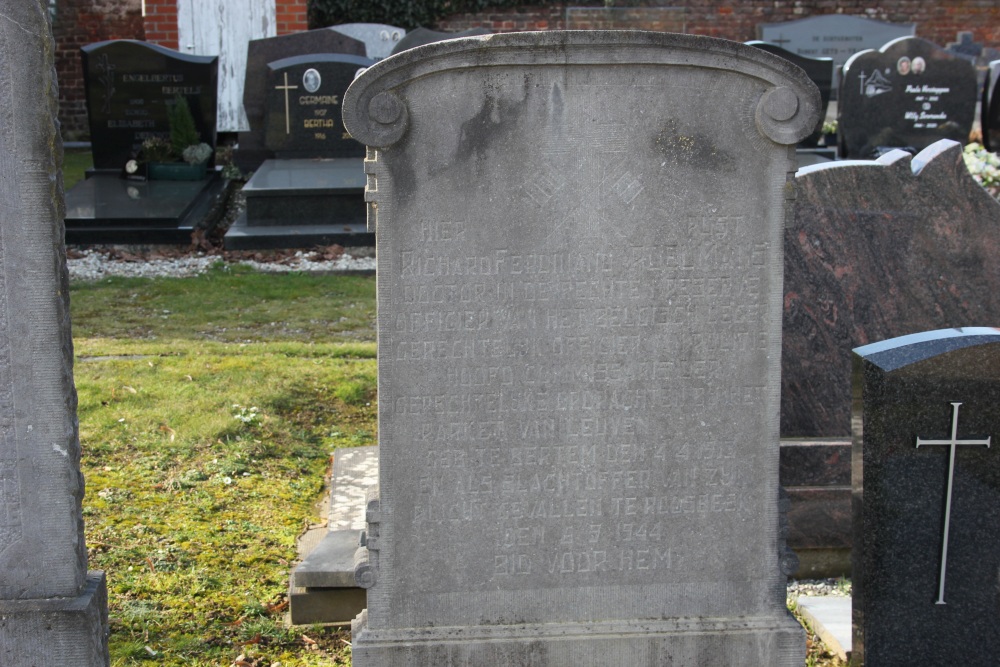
{"x":951,"y":443}
{"x":286,"y":88}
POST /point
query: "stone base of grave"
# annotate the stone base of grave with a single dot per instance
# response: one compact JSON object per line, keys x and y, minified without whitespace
{"x":740,"y":642}
{"x":57,"y":632}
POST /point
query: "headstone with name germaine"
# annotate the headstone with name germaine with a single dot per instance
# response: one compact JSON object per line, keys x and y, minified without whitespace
{"x":908,"y":94}
{"x":579,"y":335}
{"x":927,"y":499}
{"x":53,"y":612}
{"x":130,"y":86}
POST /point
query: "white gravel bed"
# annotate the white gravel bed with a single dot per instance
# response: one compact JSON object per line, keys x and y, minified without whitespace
{"x":838,"y":587}
{"x":95,"y":265}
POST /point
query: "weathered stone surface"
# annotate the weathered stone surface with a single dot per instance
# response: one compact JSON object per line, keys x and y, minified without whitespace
{"x":51,"y":613}
{"x":579,"y":342}
{"x":877,"y":250}
{"x":908,"y":94}
{"x":820,"y":72}
{"x":927,"y":499}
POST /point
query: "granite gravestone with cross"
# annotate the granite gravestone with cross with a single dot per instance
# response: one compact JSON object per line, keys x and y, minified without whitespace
{"x":579,"y":311}
{"x":926,"y":479}
{"x":53,"y":611}
{"x":908,"y":94}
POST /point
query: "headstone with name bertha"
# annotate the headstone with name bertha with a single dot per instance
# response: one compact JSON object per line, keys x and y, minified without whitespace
{"x":52,"y":611}
{"x":926,"y":485}
{"x":580,"y":267}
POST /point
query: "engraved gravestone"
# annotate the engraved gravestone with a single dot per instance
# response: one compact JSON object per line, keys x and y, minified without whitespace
{"x":579,"y":335}
{"x":926,"y":478}
{"x":304,"y":95}
{"x":909,"y":93}
{"x":52,"y":611}
{"x":130,"y":86}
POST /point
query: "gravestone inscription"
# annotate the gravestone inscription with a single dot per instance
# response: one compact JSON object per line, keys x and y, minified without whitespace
{"x":926,"y":499}
{"x":252,"y":151}
{"x":578,"y":389}
{"x":877,"y":250}
{"x":130,"y":86}
{"x":303,"y":106}
{"x":52,"y":611}
{"x":909,"y":93}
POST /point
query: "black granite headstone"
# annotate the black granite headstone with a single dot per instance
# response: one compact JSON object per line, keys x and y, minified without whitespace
{"x":990,"y":110}
{"x":909,"y":93}
{"x":926,"y":479}
{"x":129,"y":87}
{"x":260,"y":52}
{"x":819,"y":70}
{"x":304,"y":94}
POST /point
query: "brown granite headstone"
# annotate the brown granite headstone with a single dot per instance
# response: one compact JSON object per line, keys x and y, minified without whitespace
{"x":876,"y":250}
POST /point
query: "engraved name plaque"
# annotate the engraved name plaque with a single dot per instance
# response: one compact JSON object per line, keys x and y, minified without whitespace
{"x":579,"y":246}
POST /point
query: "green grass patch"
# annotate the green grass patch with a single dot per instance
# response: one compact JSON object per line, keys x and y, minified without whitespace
{"x":206,"y":435}
{"x":76,"y":161}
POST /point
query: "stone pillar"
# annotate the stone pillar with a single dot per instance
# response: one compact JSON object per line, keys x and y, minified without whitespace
{"x":52,"y":611}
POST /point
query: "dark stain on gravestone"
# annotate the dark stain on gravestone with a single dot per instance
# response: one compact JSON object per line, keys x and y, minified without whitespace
{"x":691,"y":149}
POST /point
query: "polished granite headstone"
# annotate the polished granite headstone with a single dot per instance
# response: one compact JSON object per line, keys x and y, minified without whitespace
{"x":379,"y":38}
{"x":926,"y":477}
{"x":53,"y":612}
{"x":421,"y":36}
{"x":819,"y":71}
{"x":252,"y":151}
{"x":304,"y":95}
{"x":836,"y":36}
{"x":908,"y":94}
{"x":877,"y":250}
{"x":129,"y":87}
{"x":579,"y":312}
{"x":990,"y":108}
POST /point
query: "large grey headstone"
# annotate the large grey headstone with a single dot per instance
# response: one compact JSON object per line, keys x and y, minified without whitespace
{"x":379,"y":38}
{"x":926,"y":482}
{"x":835,"y":36}
{"x":579,"y":313}
{"x":51,"y":611}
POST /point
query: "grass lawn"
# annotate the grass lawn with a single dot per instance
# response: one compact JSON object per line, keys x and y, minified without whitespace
{"x":76,"y":161}
{"x":208,"y":409}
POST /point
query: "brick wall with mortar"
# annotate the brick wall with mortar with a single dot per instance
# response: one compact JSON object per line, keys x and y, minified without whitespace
{"x":78,"y":23}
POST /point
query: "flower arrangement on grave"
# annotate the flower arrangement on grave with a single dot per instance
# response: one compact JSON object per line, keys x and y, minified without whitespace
{"x":184,"y":157}
{"x":984,"y":167}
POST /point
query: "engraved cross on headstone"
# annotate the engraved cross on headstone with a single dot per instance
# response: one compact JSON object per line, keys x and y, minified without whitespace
{"x":952,"y":443}
{"x":286,"y":88}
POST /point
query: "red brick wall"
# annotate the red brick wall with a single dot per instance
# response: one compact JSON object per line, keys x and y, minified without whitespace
{"x":291,"y":16}
{"x":936,"y":21}
{"x":161,"y":23}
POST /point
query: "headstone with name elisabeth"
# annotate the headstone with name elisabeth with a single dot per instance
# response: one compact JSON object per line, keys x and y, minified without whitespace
{"x":877,"y":250}
{"x":579,"y":335}
{"x":909,"y":93}
{"x":252,"y":151}
{"x":926,"y":479}
{"x":52,"y":610}
{"x":379,"y":38}
{"x":129,"y":87}
{"x":836,"y":36}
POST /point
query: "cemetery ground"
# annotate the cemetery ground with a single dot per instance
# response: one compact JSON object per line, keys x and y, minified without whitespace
{"x":208,"y":409}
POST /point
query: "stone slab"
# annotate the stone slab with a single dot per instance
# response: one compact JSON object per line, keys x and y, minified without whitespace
{"x":308,"y":606}
{"x":106,"y":208}
{"x":331,"y":563}
{"x":579,"y":315}
{"x":879,"y":249}
{"x":829,"y":616}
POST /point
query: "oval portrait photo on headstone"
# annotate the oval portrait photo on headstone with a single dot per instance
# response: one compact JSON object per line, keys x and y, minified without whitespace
{"x":311,"y":80}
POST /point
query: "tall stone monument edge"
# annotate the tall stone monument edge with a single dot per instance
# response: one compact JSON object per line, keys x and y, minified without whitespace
{"x":52,"y":610}
{"x":546,"y":606}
